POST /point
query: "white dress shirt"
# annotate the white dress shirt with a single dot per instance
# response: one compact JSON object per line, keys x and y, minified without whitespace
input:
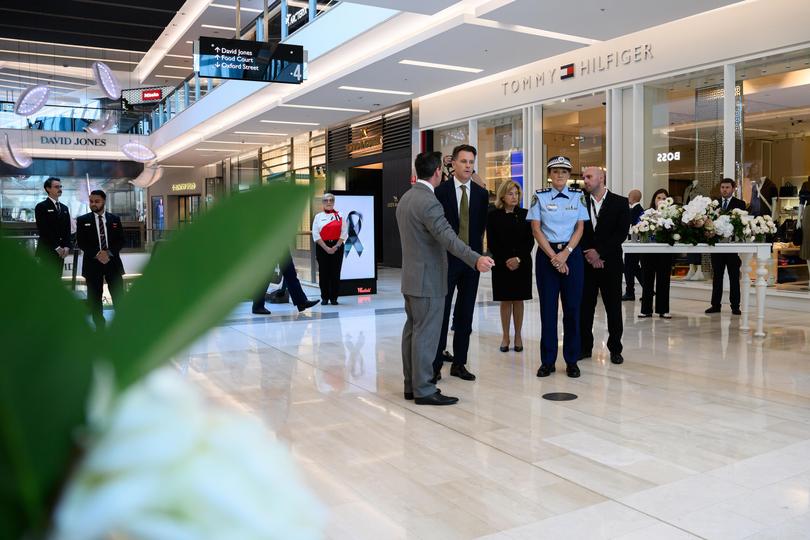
{"x":428,"y":184}
{"x":596,"y":206}
{"x":458,"y":193}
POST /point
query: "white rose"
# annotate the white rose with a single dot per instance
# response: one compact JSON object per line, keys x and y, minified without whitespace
{"x":676,"y":237}
{"x":165,"y":464}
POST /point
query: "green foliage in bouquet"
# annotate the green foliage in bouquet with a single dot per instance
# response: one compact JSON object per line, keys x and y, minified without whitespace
{"x":50,"y":350}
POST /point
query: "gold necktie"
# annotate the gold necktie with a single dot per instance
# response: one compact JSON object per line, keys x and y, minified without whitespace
{"x":464,"y":217}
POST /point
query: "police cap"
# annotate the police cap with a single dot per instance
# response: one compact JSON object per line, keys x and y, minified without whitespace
{"x":559,"y":162}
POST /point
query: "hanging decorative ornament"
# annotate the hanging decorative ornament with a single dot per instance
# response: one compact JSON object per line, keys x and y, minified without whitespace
{"x":31,"y":100}
{"x":103,"y":124}
{"x":138,"y":152}
{"x":13,"y":156}
{"x":106,"y":80}
{"x":149,"y":176}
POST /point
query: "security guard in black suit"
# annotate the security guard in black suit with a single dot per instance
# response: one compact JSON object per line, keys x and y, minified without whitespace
{"x":53,"y":225}
{"x":100,"y":236}
{"x":727,"y":261}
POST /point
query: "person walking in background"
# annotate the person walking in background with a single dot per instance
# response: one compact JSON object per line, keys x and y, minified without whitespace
{"x":293,"y":285}
{"x":100,"y":236}
{"x":632,"y":262}
{"x":723,"y":261}
{"x":53,"y":227}
{"x":466,"y":205}
{"x":426,"y":238}
{"x":329,"y":232}
{"x":510,"y":240}
{"x":602,"y":240}
{"x":557,"y":215}
{"x":656,"y":269}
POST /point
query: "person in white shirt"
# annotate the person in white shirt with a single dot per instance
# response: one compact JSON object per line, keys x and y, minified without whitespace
{"x":329,"y":232}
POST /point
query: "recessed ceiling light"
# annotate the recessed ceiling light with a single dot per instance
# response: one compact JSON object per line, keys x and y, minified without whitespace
{"x":215,"y":27}
{"x":24,"y":53}
{"x":179,"y":56}
{"x":233,"y":142}
{"x":190,"y":42}
{"x":259,"y":133}
{"x":375,"y":90}
{"x":290,"y":123}
{"x":169,"y":77}
{"x":177,"y":166}
{"x":440,"y":66}
{"x":39,"y":79}
{"x":216,"y":149}
{"x":319,"y":108}
{"x":176,"y":67}
{"x":50,"y":44}
{"x":249,"y":10}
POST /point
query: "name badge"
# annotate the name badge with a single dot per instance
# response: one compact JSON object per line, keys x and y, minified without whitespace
{"x":51,"y":210}
{"x":552,"y":206}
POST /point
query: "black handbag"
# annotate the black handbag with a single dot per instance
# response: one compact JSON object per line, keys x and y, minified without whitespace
{"x":279,"y":296}
{"x":788,"y":190}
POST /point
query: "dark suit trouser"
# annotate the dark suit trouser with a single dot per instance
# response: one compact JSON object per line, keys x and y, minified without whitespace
{"x":290,"y":278}
{"x":52,"y":261}
{"x":656,"y":269}
{"x":420,"y":336}
{"x":606,"y":281}
{"x":94,"y":278}
{"x":632,"y":272}
{"x":721,"y":262}
{"x":465,"y":279}
{"x":553,"y":288}
{"x":329,"y":271}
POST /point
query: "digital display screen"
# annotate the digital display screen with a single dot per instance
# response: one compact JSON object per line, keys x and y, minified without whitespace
{"x":249,"y":60}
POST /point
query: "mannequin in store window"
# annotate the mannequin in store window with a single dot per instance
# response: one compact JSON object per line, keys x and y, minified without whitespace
{"x":762,"y":193}
{"x":693,"y":191}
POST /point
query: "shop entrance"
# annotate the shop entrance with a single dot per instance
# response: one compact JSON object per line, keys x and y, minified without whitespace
{"x":368,"y":180}
{"x":188,"y":206}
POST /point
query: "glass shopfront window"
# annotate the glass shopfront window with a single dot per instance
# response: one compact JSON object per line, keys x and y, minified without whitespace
{"x":776,"y":152}
{"x":500,"y":150}
{"x":576,"y":128}
{"x":683,"y":142}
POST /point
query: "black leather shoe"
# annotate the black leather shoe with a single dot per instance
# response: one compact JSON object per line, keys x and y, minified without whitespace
{"x":408,"y":395}
{"x":737,"y":311}
{"x":628,"y":297}
{"x":518,"y":348}
{"x":436,"y":399}
{"x":261,"y":311}
{"x":460,"y":371}
{"x":504,"y":348}
{"x":335,"y":302}
{"x":616,"y":358}
{"x":644,"y":315}
{"x":437,"y":376}
{"x":306,"y":305}
{"x":545,"y":370}
{"x":712,"y":310}
{"x":447,"y":357}
{"x":585,"y":355}
{"x":572,"y":371}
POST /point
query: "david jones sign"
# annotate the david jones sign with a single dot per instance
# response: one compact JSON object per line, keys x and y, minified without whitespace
{"x":73,"y":141}
{"x":586,"y":66}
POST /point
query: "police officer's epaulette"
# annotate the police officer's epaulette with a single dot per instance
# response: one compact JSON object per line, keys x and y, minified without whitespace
{"x":574,"y":190}
{"x":544,"y":190}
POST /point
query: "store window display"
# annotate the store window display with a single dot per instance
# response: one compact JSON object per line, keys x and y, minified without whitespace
{"x":500,"y":151}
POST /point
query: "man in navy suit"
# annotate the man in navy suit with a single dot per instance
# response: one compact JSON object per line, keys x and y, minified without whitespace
{"x":100,"y":236}
{"x":466,"y":205}
{"x":727,"y":261}
{"x":53,"y":225}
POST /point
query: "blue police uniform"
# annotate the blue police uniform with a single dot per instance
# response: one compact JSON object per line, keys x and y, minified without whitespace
{"x":558,"y":213}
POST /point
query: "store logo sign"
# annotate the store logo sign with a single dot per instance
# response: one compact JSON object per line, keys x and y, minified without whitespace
{"x":186,"y":186}
{"x":663,"y":157}
{"x":153,"y":94}
{"x":591,"y":65}
{"x":73,"y":141}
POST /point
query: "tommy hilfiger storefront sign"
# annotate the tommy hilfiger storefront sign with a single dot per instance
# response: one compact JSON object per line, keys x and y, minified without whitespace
{"x":581,"y":68}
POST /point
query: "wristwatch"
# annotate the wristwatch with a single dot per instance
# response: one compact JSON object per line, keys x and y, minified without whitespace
{"x":570,"y":249}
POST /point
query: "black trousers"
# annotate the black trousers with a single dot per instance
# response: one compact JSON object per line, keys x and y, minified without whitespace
{"x":632,"y":272}
{"x":656,"y":269}
{"x":95,"y":274}
{"x":52,"y":261}
{"x":329,"y":271}
{"x":606,"y":282}
{"x":290,"y":280}
{"x":720,"y":263}
{"x":465,"y":279}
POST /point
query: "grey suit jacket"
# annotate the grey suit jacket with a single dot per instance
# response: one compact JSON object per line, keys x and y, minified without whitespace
{"x":426,"y":238}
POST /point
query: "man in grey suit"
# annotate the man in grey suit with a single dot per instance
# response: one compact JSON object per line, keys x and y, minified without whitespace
{"x":426,"y":238}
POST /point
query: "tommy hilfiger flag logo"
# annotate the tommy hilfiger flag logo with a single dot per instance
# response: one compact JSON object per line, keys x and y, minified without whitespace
{"x":566,"y":71}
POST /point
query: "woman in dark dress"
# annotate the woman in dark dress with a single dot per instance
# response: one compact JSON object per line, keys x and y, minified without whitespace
{"x":510,"y":240}
{"x":656,"y":269}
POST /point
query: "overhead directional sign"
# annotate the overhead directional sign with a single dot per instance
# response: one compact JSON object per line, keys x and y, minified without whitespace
{"x":249,"y":60}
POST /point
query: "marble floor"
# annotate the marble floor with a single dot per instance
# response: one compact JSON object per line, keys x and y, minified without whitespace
{"x":703,"y":432}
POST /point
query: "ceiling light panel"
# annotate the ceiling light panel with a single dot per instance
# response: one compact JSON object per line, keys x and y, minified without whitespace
{"x":249,"y":10}
{"x":260,"y":133}
{"x":375,"y":90}
{"x":215,"y":27}
{"x":320,"y":108}
{"x":445,"y":67}
{"x":289,"y":123}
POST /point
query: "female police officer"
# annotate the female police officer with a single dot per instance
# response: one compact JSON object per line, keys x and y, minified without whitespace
{"x":557,"y":215}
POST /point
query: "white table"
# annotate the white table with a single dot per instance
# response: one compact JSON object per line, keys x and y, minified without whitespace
{"x":761,"y":251}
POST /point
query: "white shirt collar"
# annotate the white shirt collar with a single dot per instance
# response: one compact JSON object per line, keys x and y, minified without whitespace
{"x":635,"y":204}
{"x":602,"y":199}
{"x":54,"y":201}
{"x":425,"y":182}
{"x":459,"y":184}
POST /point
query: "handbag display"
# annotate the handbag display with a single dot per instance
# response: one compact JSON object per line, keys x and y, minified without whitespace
{"x":788,"y":189}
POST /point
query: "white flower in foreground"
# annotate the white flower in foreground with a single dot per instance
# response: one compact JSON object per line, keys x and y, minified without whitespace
{"x":168,"y":465}
{"x":676,"y":237}
{"x":724,"y":226}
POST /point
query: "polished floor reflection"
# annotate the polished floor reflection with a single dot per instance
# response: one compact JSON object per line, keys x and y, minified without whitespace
{"x":703,"y":432}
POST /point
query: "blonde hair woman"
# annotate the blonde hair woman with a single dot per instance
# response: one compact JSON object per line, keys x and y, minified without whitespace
{"x":510,"y":240}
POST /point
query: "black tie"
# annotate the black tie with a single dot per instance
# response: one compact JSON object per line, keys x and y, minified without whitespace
{"x":102,"y":233}
{"x":58,"y":208}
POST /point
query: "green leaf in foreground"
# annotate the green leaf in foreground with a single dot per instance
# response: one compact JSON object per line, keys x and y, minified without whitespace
{"x":45,"y":374}
{"x":200,"y":275}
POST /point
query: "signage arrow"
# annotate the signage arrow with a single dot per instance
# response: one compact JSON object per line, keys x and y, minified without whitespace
{"x":216,"y":65}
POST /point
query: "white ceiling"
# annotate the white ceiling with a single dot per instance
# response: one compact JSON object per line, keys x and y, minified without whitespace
{"x":598,"y":19}
{"x":425,"y":7}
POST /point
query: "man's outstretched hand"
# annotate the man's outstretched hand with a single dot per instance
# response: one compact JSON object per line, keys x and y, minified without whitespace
{"x":484,"y":264}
